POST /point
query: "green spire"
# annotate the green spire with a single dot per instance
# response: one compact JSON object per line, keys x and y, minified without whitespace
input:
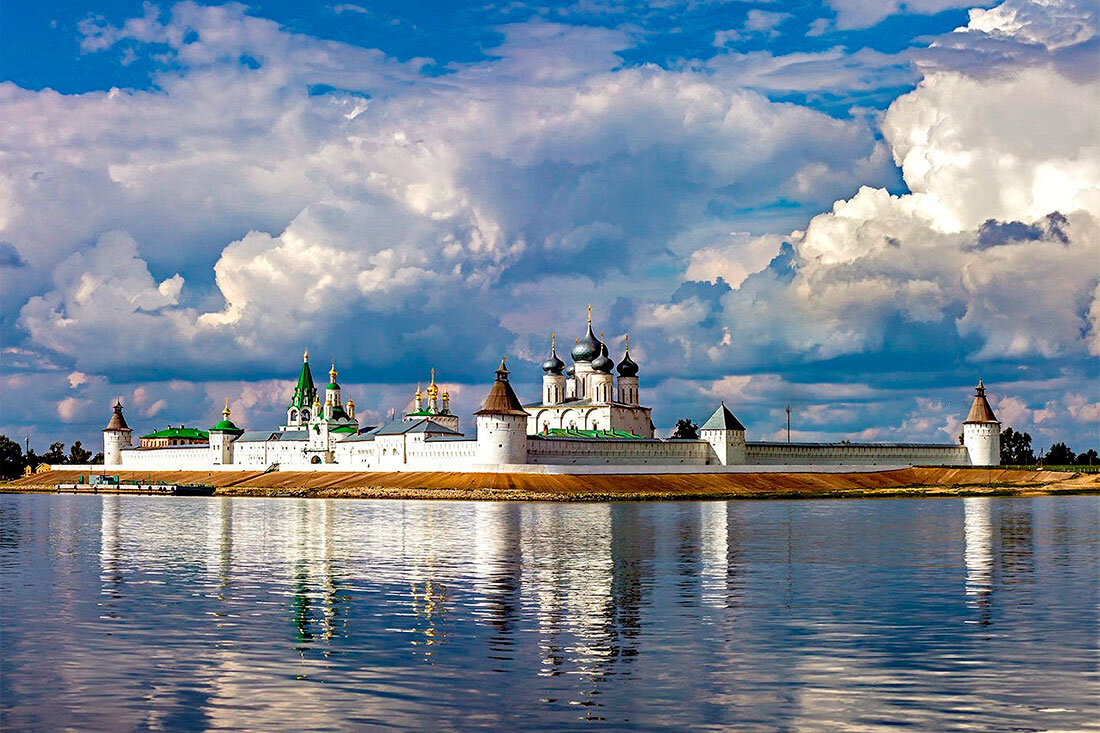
{"x":304,"y":392}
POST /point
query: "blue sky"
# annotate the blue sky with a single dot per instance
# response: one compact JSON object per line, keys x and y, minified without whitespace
{"x":858,"y":207}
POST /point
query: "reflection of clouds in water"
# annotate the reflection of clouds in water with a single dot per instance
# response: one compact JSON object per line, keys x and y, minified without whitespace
{"x":194,"y":613}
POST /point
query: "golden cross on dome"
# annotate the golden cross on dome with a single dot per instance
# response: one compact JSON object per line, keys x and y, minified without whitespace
{"x":589,"y":312}
{"x":225,"y":412}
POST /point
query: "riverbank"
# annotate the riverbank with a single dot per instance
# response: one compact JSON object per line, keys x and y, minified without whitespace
{"x":918,"y":481}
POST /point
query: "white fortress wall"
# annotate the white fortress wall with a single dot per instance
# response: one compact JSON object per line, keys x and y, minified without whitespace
{"x":856,"y":454}
{"x":173,"y":458}
{"x":568,"y":451}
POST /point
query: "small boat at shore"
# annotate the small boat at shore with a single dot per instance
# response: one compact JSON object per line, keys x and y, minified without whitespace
{"x":111,"y":485}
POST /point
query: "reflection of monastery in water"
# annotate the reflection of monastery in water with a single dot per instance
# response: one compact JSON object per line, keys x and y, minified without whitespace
{"x":589,"y":414}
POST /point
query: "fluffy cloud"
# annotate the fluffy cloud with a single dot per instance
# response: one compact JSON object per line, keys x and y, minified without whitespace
{"x":401,"y":214}
{"x":996,"y":240}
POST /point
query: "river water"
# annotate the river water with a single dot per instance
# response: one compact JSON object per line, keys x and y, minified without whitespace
{"x":166,"y":613}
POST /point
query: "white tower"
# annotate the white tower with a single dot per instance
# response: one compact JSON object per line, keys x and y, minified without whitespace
{"x":501,"y":424}
{"x":603,"y":384}
{"x":982,"y":431}
{"x":726,"y":436}
{"x":585,"y":351}
{"x":628,"y":377}
{"x":553,"y":378}
{"x":116,"y":436}
{"x":222,"y":437}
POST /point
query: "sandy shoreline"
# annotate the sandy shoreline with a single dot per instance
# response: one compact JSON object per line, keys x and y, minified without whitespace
{"x":612,"y":487}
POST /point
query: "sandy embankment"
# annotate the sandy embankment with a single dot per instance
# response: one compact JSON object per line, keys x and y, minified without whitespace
{"x":538,"y":487}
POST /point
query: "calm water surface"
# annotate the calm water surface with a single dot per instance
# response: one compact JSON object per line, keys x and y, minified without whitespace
{"x":126,"y":613}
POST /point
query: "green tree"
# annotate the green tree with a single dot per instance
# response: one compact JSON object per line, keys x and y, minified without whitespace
{"x":11,"y":458}
{"x":97,"y":459}
{"x":1088,"y":458}
{"x":686,"y":429}
{"x":56,"y":454}
{"x":1060,"y":455}
{"x":1016,"y":448}
{"x":78,"y":454}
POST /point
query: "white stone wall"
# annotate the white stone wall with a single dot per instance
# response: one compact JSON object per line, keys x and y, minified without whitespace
{"x":173,"y":458}
{"x":571,"y":451}
{"x":865,"y":454}
{"x":591,"y":417}
{"x":262,"y":454}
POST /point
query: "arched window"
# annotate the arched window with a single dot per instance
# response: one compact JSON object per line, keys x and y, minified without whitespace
{"x":305,"y":414}
{"x":293,"y":415}
{"x":315,"y":459}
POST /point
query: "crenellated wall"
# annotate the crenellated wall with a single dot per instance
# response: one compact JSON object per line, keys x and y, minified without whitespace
{"x":580,"y":451}
{"x":172,"y":458}
{"x":864,"y":454}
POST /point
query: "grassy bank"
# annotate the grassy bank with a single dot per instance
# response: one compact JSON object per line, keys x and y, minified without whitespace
{"x":536,"y":487}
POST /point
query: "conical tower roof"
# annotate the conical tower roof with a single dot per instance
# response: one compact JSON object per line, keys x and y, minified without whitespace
{"x":980,"y":411}
{"x":305,"y":392}
{"x":722,"y":419}
{"x":117,"y":422}
{"x":501,"y":399}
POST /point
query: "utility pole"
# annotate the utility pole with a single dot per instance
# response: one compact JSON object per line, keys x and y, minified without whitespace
{"x":788,"y":422}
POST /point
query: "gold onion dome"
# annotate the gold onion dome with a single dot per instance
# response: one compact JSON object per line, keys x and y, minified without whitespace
{"x":226,"y":425}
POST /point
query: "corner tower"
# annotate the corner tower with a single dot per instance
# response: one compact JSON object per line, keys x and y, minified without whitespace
{"x":116,"y":436}
{"x":726,"y":436}
{"x":501,"y":424}
{"x":982,"y":431}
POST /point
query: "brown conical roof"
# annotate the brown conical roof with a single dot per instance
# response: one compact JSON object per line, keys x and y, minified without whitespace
{"x":980,"y":411}
{"x":118,"y":422}
{"x":501,"y":400}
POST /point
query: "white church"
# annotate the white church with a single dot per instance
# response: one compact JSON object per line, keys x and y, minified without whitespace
{"x":589,"y":420}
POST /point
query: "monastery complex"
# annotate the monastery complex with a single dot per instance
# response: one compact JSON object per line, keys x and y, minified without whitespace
{"x":589,"y":419}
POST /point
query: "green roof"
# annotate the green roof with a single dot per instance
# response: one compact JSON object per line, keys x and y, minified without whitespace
{"x":332,"y":385}
{"x":420,"y":413}
{"x":605,"y":434}
{"x":304,"y":392}
{"x":345,"y":429}
{"x":225,"y":426}
{"x":180,"y":432}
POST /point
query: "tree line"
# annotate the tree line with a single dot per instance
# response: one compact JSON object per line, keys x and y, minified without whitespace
{"x":13,"y":461}
{"x":1016,"y":450}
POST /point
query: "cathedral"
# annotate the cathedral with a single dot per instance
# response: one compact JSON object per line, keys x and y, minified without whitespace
{"x":584,"y":397}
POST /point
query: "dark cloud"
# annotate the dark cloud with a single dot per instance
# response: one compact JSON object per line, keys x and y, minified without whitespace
{"x":10,"y":257}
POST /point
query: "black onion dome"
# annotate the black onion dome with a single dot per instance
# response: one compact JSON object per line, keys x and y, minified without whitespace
{"x":627,"y":367}
{"x":603,"y":363}
{"x":588,"y":348}
{"x":571,"y":371}
{"x":553,"y":365}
